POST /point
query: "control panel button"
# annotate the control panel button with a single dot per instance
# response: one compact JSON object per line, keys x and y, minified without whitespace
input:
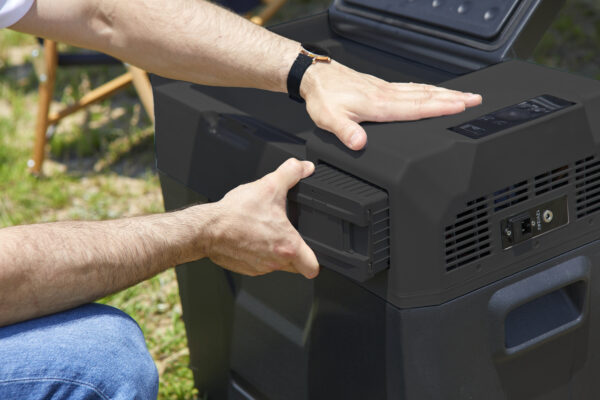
{"x":511,"y":116}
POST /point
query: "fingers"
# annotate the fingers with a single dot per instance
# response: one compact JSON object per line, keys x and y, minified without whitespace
{"x":416,"y":109}
{"x":349,"y":132}
{"x":290,"y":172}
{"x":469,"y":99}
{"x":295,"y":258}
{"x":413,"y":92}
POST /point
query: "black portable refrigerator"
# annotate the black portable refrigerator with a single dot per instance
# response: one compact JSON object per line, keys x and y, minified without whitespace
{"x":457,"y":253}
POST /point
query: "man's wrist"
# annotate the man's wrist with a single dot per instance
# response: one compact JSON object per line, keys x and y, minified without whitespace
{"x":198,"y":225}
{"x":312,"y":78}
{"x":308,"y":59}
{"x":287,"y":60}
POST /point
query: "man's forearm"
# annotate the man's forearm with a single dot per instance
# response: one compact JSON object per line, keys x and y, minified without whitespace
{"x":51,"y":267}
{"x":190,"y":40}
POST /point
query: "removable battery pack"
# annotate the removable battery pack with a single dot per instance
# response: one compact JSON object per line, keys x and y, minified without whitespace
{"x":345,"y":220}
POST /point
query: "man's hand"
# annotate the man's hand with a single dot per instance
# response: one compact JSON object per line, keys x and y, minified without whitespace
{"x":252,"y":234}
{"x":338,"y":98}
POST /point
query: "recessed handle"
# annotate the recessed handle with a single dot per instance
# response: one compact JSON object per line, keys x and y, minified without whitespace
{"x":539,"y":308}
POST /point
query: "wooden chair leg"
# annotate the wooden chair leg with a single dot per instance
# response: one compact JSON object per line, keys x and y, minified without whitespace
{"x":98,"y":94}
{"x":46,"y":89}
{"x":143,"y":88}
{"x":272,"y":6}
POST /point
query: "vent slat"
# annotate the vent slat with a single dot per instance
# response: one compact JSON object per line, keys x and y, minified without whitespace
{"x":459,"y":235}
{"x":587,"y":191}
{"x":377,"y":242}
{"x":506,"y":196}
{"x":588,"y":181}
{"x":588,"y":194}
{"x":510,"y":203}
{"x":469,"y":258}
{"x":551,"y":184}
{"x":468,"y":212}
{"x":471,"y":244}
{"x":382,"y":249}
{"x":586,"y":171}
{"x":457,"y":240}
{"x":592,"y":201}
{"x":380,"y":231}
{"x":588,"y":212}
{"x":461,"y":221}
{"x":482,"y":229}
{"x":587,"y":164}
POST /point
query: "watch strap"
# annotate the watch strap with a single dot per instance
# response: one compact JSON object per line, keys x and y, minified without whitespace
{"x":295,"y":76}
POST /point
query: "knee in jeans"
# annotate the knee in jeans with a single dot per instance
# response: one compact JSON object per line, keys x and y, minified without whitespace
{"x":119,"y":358}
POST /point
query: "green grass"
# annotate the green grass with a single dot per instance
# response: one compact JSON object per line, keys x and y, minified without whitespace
{"x":23,"y":198}
{"x":573,"y":41}
{"x":101,"y":164}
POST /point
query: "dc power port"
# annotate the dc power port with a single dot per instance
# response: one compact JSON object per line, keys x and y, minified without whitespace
{"x":520,"y":227}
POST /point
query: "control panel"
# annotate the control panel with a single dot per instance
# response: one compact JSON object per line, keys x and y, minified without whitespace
{"x":534,"y":222}
{"x":511,"y":116}
{"x":480,"y":18}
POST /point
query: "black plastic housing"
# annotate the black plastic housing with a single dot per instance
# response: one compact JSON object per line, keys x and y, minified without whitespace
{"x":457,"y":315}
{"x":282,"y":337}
{"x":448,"y":194}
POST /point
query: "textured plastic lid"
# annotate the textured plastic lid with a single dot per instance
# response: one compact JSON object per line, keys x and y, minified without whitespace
{"x":478,"y":18}
{"x":457,"y":36}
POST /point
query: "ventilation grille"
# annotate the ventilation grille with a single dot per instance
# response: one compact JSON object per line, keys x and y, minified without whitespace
{"x":587,"y":186}
{"x":554,"y":179}
{"x":511,"y":196}
{"x":468,"y":238}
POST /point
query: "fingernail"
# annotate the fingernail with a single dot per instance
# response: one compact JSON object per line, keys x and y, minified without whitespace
{"x":355,"y":139}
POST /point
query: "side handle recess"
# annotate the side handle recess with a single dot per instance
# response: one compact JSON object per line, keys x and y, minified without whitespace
{"x":344,"y":219}
{"x":540,"y":308}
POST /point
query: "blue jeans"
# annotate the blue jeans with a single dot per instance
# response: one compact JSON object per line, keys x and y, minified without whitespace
{"x":90,"y":352}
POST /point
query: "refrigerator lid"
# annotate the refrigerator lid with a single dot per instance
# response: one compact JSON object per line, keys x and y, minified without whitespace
{"x":455,"y":35}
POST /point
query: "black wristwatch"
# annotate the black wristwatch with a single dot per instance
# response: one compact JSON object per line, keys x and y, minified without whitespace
{"x":309,"y":55}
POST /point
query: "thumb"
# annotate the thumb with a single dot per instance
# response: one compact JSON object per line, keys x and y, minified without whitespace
{"x":306,"y":262}
{"x":349,"y":132}
{"x":291,"y":171}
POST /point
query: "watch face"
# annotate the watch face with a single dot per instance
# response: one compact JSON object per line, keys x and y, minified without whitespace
{"x":316,"y":50}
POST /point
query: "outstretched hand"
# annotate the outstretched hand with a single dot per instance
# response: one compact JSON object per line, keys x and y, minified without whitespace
{"x":252,"y":234}
{"x":339,"y":98}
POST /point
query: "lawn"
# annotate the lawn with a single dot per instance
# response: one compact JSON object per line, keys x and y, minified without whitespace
{"x":101,"y":163}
